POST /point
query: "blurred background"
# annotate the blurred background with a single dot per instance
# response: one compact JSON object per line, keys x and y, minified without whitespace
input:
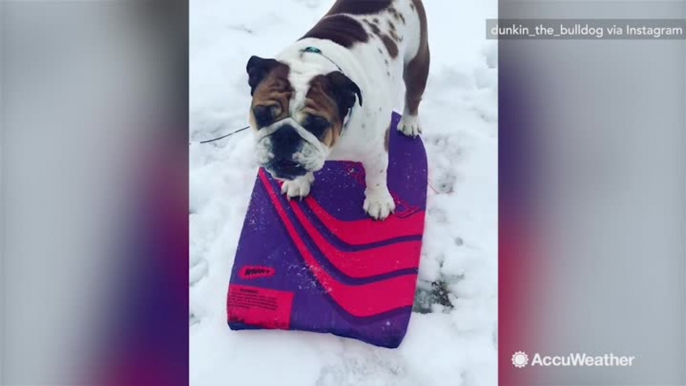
{"x":95,"y":263}
{"x":94,"y":193}
{"x":593,"y":198}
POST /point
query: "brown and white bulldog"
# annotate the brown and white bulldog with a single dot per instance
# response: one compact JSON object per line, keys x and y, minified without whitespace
{"x":329,"y":96}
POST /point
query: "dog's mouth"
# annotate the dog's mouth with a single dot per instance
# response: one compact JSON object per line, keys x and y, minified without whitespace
{"x":286,"y":169}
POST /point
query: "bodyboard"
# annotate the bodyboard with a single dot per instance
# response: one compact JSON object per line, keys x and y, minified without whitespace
{"x":321,"y":264}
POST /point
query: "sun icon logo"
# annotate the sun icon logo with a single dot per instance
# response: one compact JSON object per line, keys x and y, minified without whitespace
{"x":520,"y":359}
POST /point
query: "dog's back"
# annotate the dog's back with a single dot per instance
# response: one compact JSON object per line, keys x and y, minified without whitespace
{"x":396,"y":26}
{"x":387,"y":34}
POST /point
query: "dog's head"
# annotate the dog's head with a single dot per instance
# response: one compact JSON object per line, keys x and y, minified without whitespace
{"x":298,"y":112}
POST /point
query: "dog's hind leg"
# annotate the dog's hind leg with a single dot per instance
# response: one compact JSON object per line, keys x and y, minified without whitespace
{"x":415,"y":75}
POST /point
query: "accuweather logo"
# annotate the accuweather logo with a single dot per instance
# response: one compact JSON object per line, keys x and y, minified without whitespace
{"x":520,"y":360}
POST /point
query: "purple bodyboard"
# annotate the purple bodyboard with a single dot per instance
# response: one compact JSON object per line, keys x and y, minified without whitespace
{"x":322,"y":264}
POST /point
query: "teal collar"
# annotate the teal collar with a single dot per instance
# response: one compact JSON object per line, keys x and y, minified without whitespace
{"x":315,"y":50}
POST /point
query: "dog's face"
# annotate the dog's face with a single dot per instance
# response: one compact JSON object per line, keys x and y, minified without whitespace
{"x":298,"y":114}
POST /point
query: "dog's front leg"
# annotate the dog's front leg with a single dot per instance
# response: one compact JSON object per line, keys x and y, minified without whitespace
{"x":299,"y":187}
{"x":378,"y":201}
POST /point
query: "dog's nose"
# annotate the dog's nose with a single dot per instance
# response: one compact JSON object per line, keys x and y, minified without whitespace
{"x":285,"y":142}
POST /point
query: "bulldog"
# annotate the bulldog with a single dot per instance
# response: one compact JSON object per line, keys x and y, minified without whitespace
{"x":329,"y":96}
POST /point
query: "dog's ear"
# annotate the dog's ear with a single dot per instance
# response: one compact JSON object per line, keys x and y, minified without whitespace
{"x":344,"y":91}
{"x":258,"y":68}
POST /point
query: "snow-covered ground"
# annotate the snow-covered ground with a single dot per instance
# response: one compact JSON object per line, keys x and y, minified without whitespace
{"x":452,"y":337}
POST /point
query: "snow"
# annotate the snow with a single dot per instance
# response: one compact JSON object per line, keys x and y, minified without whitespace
{"x":452,"y":337}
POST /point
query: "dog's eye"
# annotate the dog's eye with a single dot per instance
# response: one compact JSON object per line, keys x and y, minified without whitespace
{"x":264,"y":115}
{"x":316,"y":125}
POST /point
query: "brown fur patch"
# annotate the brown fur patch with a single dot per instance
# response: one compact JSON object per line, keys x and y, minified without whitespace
{"x":417,"y":70}
{"x":398,"y":16}
{"x":390,"y":46}
{"x":273,"y":90}
{"x":374,"y":27}
{"x":340,"y":29}
{"x":394,"y":36}
{"x":359,"y":7}
{"x":387,"y":138}
{"x":320,"y":102}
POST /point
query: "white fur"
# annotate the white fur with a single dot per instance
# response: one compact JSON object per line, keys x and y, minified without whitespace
{"x":409,"y":125}
{"x":299,"y":187}
{"x":381,"y":85}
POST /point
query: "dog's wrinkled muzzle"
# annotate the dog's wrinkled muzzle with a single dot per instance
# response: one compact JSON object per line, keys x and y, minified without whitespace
{"x":287,"y":150}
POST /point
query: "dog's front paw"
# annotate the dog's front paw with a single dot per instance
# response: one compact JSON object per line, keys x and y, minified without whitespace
{"x":299,"y":187}
{"x":409,"y":125}
{"x":379,"y":205}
